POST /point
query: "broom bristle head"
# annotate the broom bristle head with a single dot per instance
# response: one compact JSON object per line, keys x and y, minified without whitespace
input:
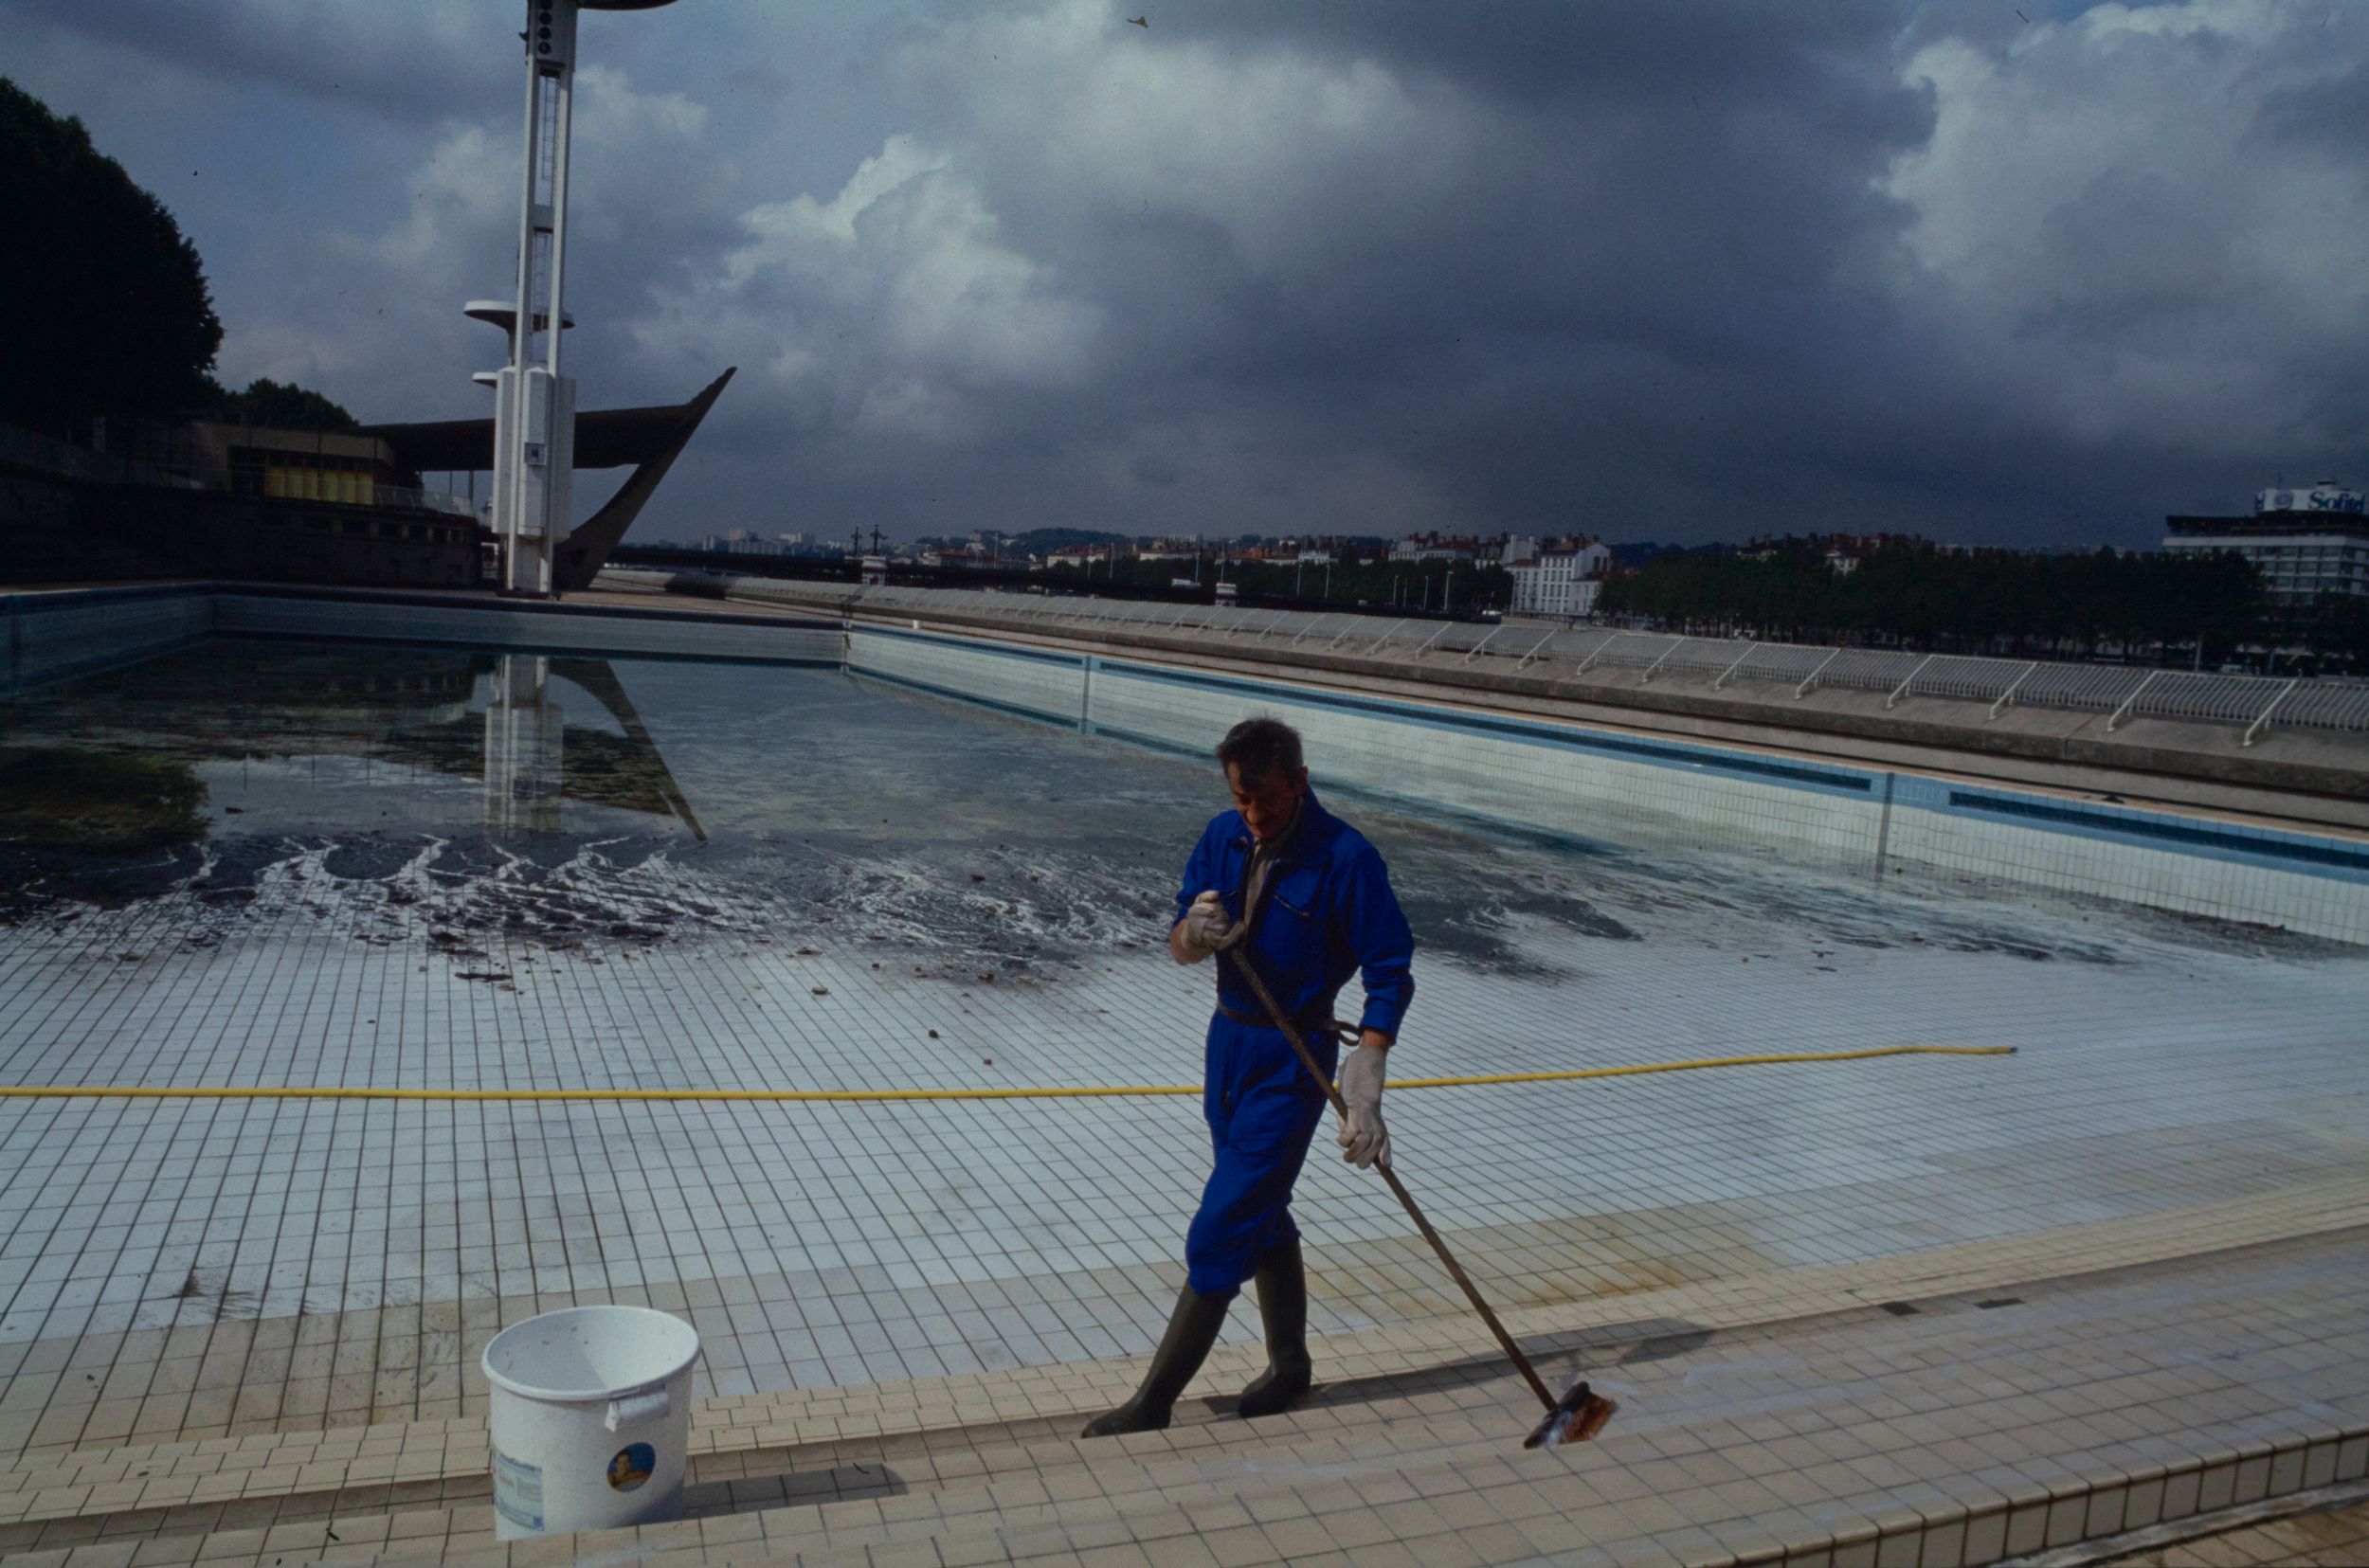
{"x":1578,"y":1417}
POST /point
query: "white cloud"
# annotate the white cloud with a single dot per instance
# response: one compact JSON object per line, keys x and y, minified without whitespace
{"x":2104,"y":232}
{"x":1289,"y":152}
{"x":890,"y":306}
{"x":971,"y":257}
{"x":374,"y":315}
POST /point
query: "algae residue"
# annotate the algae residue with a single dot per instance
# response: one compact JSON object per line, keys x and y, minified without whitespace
{"x":74,"y":798}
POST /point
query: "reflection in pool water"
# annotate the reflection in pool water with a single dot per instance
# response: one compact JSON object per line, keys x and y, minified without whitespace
{"x":637,"y":800}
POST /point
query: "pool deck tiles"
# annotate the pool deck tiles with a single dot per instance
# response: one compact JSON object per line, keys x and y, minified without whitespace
{"x":1954,"y":1434}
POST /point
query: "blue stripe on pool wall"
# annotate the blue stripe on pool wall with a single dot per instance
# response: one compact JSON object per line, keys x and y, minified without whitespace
{"x":77,"y":599}
{"x":1060,"y":721}
{"x":2287,"y":851}
{"x":1035,"y":656}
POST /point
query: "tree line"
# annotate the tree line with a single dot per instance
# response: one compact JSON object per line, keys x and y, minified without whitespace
{"x":105,"y":311}
{"x":1988,"y":600}
{"x":1382,"y":585}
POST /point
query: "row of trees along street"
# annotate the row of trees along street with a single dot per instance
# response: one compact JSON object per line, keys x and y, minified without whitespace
{"x":1411,"y":585}
{"x":1989,"y":602}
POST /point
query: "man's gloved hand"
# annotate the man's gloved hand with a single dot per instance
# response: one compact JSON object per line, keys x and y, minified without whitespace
{"x":1363,"y":1139}
{"x":1207,"y":927}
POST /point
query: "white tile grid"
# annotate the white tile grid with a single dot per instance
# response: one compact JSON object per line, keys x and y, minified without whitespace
{"x":1056,"y":691}
{"x":868,"y":1213}
{"x":2157,"y":878}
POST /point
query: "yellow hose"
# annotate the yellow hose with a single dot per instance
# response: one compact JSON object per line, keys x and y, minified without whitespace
{"x":142,"y":1091}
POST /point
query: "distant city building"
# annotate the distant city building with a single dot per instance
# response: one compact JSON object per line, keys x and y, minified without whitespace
{"x":740,"y":541}
{"x":1434,"y":547}
{"x":1558,"y":576}
{"x":2326,"y":496}
{"x":1088,"y":556}
{"x":2308,"y":543}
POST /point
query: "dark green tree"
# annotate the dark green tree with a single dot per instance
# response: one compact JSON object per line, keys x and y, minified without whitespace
{"x":103,"y":304}
{"x":283,"y":407}
{"x":2010,"y":603}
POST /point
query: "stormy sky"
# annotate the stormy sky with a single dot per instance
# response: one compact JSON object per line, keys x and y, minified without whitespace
{"x":1674,"y":269}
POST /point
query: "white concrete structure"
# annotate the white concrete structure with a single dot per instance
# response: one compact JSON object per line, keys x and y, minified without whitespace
{"x":525,"y":734}
{"x":535,"y":407}
{"x":1558,"y":582}
{"x":2309,"y":544}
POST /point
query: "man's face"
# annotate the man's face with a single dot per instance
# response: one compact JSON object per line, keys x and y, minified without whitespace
{"x":1269,"y":807}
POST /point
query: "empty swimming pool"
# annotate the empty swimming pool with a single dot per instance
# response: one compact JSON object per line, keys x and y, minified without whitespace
{"x":280,"y":863}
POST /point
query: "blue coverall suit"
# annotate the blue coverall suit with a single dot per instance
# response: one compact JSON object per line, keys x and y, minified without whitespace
{"x":1326,"y":911}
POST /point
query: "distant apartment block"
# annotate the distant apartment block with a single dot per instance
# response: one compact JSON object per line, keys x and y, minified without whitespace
{"x":741,"y":541}
{"x":2307,"y":543}
{"x":1089,"y":556}
{"x":973,"y":557}
{"x":1434,"y":547}
{"x":1558,"y":576}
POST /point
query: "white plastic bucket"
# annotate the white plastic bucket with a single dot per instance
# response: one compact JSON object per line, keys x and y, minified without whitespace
{"x":589,"y":1420}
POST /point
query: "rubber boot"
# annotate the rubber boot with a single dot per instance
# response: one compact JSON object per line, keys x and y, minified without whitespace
{"x":1283,"y":1302}
{"x":1192,"y":1329}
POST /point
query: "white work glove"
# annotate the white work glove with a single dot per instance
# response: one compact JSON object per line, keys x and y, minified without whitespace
{"x":1208,"y":928}
{"x":1363,"y":1139}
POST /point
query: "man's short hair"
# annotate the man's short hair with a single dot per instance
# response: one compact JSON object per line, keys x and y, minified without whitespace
{"x":1255,"y":748}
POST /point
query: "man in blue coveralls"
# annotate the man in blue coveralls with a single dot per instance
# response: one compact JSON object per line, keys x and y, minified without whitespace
{"x":1306,"y":900}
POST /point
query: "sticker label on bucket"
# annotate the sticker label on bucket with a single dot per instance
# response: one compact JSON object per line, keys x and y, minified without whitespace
{"x":631,"y":1466}
{"x":518,"y":1491}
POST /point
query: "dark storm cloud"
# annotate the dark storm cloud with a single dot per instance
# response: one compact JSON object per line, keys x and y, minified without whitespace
{"x":418,"y":61}
{"x":2329,"y":117}
{"x":1539,"y":49}
{"x":1636,"y":230}
{"x":1679,"y":270}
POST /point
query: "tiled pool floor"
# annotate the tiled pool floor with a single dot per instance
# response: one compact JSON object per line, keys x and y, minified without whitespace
{"x":190,"y":1268}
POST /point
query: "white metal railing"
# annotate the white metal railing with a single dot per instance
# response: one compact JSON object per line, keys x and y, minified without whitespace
{"x":2255,"y":704}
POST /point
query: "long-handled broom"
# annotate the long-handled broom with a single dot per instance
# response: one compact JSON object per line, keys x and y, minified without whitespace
{"x":1579,"y":1414}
